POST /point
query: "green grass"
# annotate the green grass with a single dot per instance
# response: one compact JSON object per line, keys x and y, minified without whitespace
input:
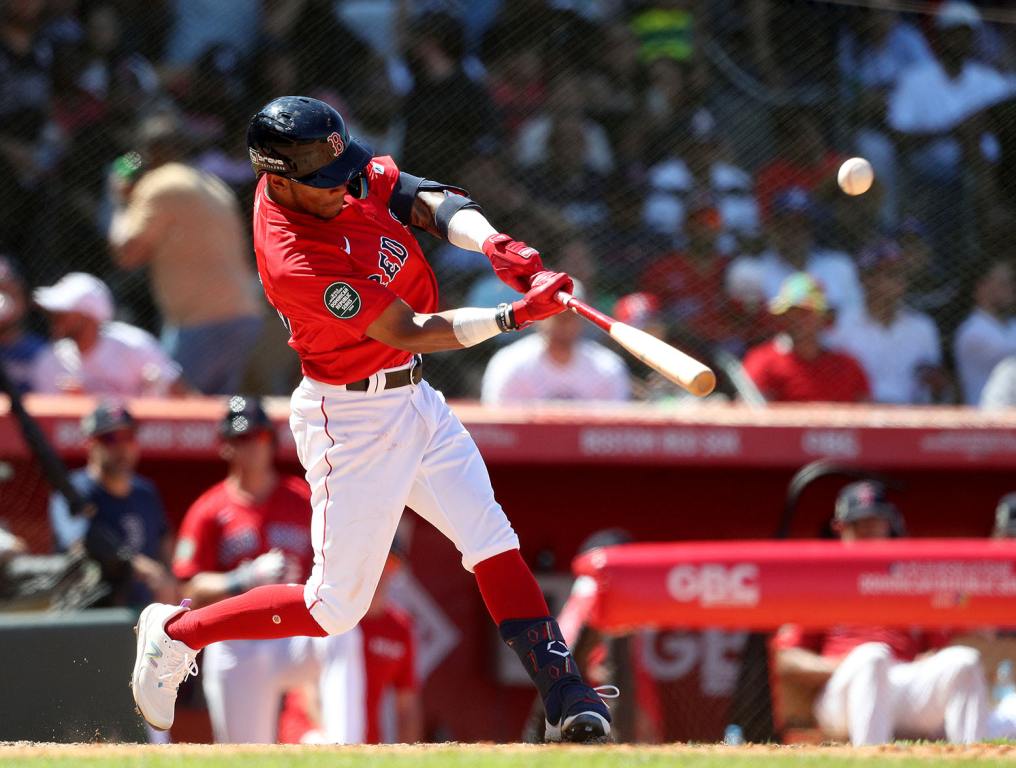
{"x":465,"y":756}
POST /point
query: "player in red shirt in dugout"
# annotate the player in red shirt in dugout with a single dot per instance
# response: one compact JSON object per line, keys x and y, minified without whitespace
{"x":338,"y":260}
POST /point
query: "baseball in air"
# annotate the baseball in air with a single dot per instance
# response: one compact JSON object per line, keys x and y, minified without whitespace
{"x":855,"y":176}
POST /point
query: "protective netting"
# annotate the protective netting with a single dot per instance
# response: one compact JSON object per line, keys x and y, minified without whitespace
{"x":683,"y":149}
{"x":677,"y":157}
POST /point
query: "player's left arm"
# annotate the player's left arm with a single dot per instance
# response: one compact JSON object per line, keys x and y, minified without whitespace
{"x":450,"y":214}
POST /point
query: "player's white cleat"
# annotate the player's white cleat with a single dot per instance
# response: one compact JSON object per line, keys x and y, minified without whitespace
{"x":161,"y":665}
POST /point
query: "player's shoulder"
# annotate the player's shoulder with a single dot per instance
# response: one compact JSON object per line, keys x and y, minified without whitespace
{"x":144,"y":487}
{"x":399,"y":621}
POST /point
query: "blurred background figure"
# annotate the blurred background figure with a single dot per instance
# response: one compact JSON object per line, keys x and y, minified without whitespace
{"x":796,"y":365}
{"x":792,"y":248}
{"x":898,"y":347}
{"x":126,"y":524}
{"x":93,"y":354}
{"x":1000,"y":391}
{"x":988,"y":334}
{"x":876,"y":684}
{"x":378,"y":701}
{"x":18,"y":345}
{"x":187,"y":228}
{"x":555,"y":362}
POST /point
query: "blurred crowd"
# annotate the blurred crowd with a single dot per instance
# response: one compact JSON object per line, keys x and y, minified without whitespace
{"x":677,"y":157}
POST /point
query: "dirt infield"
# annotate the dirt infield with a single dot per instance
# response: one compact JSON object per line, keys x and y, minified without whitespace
{"x":625,"y":754}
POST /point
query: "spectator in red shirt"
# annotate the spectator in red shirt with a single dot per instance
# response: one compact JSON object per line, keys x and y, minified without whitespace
{"x":795,"y":366}
{"x":879,"y":683}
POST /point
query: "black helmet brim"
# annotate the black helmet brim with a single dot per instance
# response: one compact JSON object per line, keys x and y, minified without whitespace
{"x":352,"y":161}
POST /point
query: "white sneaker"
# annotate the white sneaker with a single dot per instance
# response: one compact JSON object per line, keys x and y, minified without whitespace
{"x":161,"y":665}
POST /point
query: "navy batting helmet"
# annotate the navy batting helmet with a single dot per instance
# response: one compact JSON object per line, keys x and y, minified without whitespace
{"x":245,"y":416}
{"x":306,"y":140}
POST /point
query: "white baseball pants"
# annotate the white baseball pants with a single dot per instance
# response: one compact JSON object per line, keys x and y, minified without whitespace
{"x":367,"y":456}
{"x":872,"y":698}
{"x":244,"y":681}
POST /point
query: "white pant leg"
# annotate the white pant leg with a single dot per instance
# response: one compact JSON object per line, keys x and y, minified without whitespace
{"x":452,"y":489}
{"x":944,"y":693}
{"x":243,"y":690}
{"x":343,"y":687}
{"x":856,"y":702}
{"x":361,"y":452}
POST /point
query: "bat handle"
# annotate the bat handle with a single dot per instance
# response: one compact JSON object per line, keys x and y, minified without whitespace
{"x":579,"y":307}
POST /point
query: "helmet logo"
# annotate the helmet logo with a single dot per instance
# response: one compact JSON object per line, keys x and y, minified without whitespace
{"x":337,"y":144}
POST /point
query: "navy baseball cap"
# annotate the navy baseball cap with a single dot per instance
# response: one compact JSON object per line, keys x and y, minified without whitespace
{"x":107,"y":417}
{"x":864,"y":499}
{"x":244,"y":416}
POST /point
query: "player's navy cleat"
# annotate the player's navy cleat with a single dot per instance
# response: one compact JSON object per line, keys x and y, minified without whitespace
{"x":161,"y":665}
{"x":574,"y":711}
{"x":585,"y":717}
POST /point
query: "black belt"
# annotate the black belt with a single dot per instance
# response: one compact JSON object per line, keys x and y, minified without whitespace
{"x":411,"y":375}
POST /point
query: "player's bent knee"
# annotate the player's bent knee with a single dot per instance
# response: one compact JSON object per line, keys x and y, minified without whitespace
{"x":336,"y":614}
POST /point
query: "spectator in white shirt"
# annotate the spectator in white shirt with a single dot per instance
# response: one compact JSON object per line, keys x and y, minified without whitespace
{"x":91,"y":353}
{"x":792,"y":249}
{"x":898,"y":347}
{"x":938,"y":99}
{"x":988,"y":334}
{"x":1000,"y":391}
{"x":556,"y":363}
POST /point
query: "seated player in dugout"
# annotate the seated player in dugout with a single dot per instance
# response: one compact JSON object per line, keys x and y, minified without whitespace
{"x":338,"y":261}
{"x":874,"y":684}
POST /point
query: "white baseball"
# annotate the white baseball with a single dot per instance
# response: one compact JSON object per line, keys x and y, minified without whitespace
{"x":855,"y":176}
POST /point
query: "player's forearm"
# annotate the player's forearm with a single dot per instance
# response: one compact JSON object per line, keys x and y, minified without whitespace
{"x":468,"y":229}
{"x":400,"y":327}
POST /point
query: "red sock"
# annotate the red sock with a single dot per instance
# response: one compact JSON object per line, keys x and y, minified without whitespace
{"x":509,"y":589}
{"x":263,"y":613}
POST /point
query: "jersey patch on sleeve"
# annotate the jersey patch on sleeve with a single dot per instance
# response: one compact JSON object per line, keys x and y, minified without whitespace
{"x":342,"y":300}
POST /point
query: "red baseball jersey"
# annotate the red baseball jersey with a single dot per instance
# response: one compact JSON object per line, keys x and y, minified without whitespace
{"x":223,"y":529}
{"x":330,"y":279}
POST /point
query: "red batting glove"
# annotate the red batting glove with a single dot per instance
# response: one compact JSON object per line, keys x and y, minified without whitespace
{"x":539,"y":301}
{"x":513,"y":261}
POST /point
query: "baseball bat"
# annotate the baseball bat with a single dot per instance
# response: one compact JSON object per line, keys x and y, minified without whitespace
{"x":682,"y":369}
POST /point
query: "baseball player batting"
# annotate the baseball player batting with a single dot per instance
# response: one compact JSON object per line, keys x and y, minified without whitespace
{"x":338,"y":261}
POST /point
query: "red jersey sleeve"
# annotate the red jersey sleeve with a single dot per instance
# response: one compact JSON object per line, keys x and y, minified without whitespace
{"x":198,"y":541}
{"x":382,"y":175}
